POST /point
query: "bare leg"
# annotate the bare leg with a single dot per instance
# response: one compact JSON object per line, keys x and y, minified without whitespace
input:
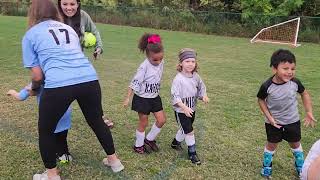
{"x":160,"y":118}
{"x":143,"y":122}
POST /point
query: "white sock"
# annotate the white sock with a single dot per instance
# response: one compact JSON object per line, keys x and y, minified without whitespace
{"x":153,"y":133}
{"x":190,"y":139}
{"x":139,"y":138}
{"x":268,"y":151}
{"x":298,"y":149}
{"x":180,"y":135}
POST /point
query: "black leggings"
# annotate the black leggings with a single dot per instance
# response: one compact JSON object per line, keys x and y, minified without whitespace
{"x":54,"y":103}
{"x":62,"y":144}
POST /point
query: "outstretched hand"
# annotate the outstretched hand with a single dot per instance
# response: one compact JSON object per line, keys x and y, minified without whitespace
{"x":205,"y":99}
{"x":125,"y":103}
{"x":309,"y":120}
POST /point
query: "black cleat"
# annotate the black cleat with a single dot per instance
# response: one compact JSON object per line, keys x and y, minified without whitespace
{"x":194,"y":159}
{"x":152,"y":145}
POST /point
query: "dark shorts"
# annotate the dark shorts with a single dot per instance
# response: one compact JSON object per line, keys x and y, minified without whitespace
{"x":290,"y":133}
{"x":185,"y":122}
{"x":146,"y":105}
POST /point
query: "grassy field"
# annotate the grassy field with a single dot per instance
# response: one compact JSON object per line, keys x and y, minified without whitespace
{"x":230,"y":131}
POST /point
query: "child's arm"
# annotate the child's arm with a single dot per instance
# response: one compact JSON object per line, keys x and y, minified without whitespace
{"x":127,"y":99}
{"x":135,"y":84}
{"x":307,"y":104}
{"x":202,"y":91}
{"x":22,"y":95}
{"x":264,"y":108}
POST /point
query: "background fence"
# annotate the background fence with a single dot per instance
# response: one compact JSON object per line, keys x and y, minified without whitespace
{"x":209,"y":22}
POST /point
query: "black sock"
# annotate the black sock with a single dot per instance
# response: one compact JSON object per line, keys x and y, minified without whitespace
{"x":192,"y":150}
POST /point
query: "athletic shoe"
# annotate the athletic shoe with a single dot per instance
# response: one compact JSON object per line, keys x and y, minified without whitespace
{"x":266,"y":171}
{"x":152,"y":145}
{"x":65,"y":158}
{"x":299,"y":160}
{"x":116,"y":166}
{"x":141,"y":150}
{"x":267,"y":164}
{"x":194,"y":159}
{"x":108,"y":122}
{"x":176,"y":146}
{"x":44,"y":176}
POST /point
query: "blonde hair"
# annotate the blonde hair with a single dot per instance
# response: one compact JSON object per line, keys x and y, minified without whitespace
{"x":179,"y":66}
{"x":41,"y":10}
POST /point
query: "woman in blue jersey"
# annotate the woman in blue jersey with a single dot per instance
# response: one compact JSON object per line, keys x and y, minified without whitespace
{"x":52,"y":49}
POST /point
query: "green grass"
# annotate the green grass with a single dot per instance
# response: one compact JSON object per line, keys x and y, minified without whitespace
{"x":230,"y":131}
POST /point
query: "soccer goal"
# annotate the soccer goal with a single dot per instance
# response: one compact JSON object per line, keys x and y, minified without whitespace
{"x":282,"y":33}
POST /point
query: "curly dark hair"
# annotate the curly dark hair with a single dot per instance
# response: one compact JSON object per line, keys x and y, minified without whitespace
{"x":146,"y":47}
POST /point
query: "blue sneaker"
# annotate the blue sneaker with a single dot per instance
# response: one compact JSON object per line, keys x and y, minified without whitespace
{"x":266,"y":171}
{"x":299,"y":160}
{"x":267,"y":164}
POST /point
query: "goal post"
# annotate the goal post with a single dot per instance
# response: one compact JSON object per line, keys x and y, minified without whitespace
{"x":282,"y":33}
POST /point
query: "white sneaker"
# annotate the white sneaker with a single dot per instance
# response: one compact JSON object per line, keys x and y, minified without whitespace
{"x":116,"y":166}
{"x":65,"y":158}
{"x":108,"y":122}
{"x":44,"y":176}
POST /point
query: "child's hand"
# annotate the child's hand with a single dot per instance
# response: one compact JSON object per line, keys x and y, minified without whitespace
{"x":274,"y":123}
{"x":205,"y":99}
{"x":309,"y":120}
{"x":187,"y":111}
{"x":126,"y":102}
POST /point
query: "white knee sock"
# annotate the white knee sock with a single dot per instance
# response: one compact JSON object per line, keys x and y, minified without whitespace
{"x":139,"y":138}
{"x":268,"y":151}
{"x":180,"y":135}
{"x":190,"y":139}
{"x":298,"y":149}
{"x":153,"y":133}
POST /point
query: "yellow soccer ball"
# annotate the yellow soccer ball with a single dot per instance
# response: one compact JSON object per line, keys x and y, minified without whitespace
{"x":89,"y":40}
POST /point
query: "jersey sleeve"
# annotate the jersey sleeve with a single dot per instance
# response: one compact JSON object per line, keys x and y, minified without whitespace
{"x":202,"y":90}
{"x":29,"y":56}
{"x":263,"y":92}
{"x":300,"y":86}
{"x":138,"y":78}
{"x":175,"y":92}
{"x":91,"y":27}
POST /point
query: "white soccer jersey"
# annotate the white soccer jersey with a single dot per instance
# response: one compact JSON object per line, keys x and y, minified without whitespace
{"x":146,"y":82}
{"x":312,"y":155}
{"x":187,"y":90}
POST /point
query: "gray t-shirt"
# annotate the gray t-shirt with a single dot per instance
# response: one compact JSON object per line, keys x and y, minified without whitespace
{"x":146,"y":82}
{"x":187,"y":90}
{"x":282,"y":100}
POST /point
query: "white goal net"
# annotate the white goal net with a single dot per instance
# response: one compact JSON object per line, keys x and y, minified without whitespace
{"x":282,"y":33}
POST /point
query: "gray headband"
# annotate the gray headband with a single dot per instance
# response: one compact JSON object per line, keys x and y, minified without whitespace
{"x":186,"y":55}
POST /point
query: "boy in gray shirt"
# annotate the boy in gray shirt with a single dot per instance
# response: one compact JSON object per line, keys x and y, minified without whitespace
{"x":278,"y":102}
